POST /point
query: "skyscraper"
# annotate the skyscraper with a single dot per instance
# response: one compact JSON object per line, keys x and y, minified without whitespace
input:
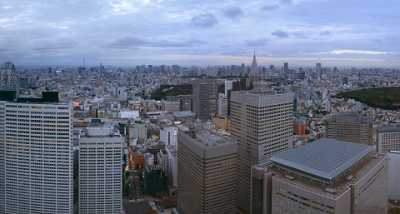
{"x":255,"y":74}
{"x":205,"y":92}
{"x":286,"y":69}
{"x":36,"y":155}
{"x":207,"y":172}
{"x":325,"y":176}
{"x":318,"y":70}
{"x":8,"y":77}
{"x":350,"y":126}
{"x":263,"y":124}
{"x":100,"y":170}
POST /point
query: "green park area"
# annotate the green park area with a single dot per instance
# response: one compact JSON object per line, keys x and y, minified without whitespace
{"x":384,"y":98}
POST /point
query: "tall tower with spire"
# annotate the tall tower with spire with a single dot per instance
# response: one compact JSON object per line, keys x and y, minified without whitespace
{"x":254,"y":71}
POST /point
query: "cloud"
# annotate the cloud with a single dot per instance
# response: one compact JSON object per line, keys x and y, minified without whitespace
{"x":280,"y":34}
{"x":357,"y":52}
{"x":270,"y":7}
{"x":135,"y":43}
{"x":233,"y":12}
{"x":257,"y":42}
{"x":205,"y":20}
{"x":54,"y":45}
{"x":325,"y":33}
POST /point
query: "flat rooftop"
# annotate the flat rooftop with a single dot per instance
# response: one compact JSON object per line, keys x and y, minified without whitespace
{"x":324,"y":158}
{"x":351,"y":117}
{"x":47,"y":97}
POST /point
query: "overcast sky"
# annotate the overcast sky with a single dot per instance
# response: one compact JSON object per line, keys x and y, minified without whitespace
{"x":200,"y":32}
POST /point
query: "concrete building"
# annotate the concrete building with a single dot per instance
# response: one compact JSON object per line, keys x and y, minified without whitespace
{"x":8,"y":77}
{"x":350,"y":126}
{"x":205,"y":93}
{"x":263,"y":124}
{"x":36,"y":174}
{"x":222,"y":105}
{"x":326,"y":176}
{"x":388,"y":138}
{"x":394,"y":177}
{"x":207,"y":172}
{"x":100,"y":170}
{"x":169,"y":136}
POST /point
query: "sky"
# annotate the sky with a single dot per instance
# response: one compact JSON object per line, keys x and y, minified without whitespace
{"x":200,"y":32}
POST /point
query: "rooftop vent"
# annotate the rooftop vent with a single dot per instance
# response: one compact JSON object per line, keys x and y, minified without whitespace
{"x":330,"y":190}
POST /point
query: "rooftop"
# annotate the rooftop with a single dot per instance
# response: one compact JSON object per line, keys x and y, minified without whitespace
{"x":47,"y":97}
{"x":324,"y":158}
{"x":351,"y":117}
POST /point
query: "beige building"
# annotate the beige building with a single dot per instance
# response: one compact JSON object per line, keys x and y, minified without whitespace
{"x":388,"y":138}
{"x":263,"y":124}
{"x":207,"y":172}
{"x":326,"y":176}
{"x":350,"y":126}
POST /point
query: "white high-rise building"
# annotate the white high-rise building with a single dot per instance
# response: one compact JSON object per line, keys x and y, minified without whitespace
{"x":100,"y":170}
{"x":36,"y":171}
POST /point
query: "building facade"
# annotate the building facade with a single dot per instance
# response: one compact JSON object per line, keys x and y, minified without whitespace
{"x":205,"y":92}
{"x":350,"y":126}
{"x":207,"y":172}
{"x":100,"y":171}
{"x":263,"y":124}
{"x":388,"y":138}
{"x":36,"y":174}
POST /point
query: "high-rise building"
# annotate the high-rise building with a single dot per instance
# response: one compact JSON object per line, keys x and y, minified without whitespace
{"x":263,"y":124}
{"x":36,"y":171}
{"x":350,"y":126}
{"x":286,"y":69}
{"x":255,"y":74}
{"x":100,"y":170}
{"x":222,"y":105}
{"x":8,"y":77}
{"x":318,"y":70}
{"x":205,"y":92}
{"x":326,"y":176}
{"x":207,"y":172}
{"x":388,"y":138}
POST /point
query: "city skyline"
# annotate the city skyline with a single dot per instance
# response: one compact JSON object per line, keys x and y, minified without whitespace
{"x":127,"y":32}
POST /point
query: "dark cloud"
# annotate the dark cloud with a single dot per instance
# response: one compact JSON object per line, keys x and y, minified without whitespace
{"x":135,"y":42}
{"x":270,"y":7}
{"x":257,"y":42}
{"x":277,"y":6}
{"x":325,"y":33}
{"x":204,"y":20}
{"x":233,"y":12}
{"x":286,"y":1}
{"x":280,"y":34}
{"x":54,"y":45}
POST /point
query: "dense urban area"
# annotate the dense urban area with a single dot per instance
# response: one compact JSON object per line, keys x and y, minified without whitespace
{"x":251,"y":139}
